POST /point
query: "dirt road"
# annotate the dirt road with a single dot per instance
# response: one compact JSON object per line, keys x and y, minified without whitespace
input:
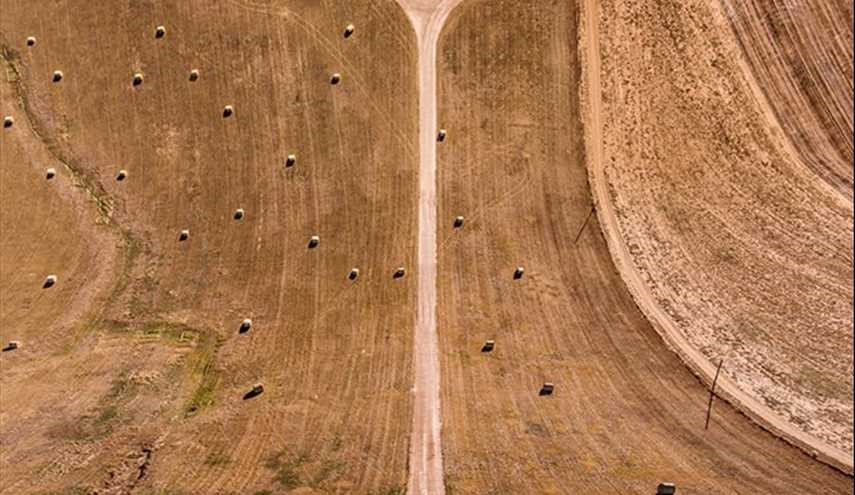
{"x":428,"y":17}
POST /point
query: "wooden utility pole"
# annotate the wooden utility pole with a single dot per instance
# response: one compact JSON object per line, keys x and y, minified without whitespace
{"x":712,"y":394}
{"x":582,"y":228}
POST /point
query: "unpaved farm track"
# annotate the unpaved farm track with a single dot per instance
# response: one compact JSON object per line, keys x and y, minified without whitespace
{"x":132,"y":370}
{"x":626,"y":413}
{"x":426,"y":472}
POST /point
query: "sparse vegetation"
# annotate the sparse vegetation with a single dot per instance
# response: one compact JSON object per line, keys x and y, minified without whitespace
{"x":72,"y":490}
{"x":392,"y":490}
{"x":327,"y":470}
{"x":217,"y":458}
{"x":165,"y":491}
{"x":203,"y":363}
{"x":96,"y":426}
{"x":286,"y":471}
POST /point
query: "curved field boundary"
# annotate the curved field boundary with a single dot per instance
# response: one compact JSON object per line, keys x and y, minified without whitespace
{"x":696,"y":362}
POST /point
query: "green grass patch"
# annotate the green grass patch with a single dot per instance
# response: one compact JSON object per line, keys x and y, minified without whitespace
{"x":204,"y":373}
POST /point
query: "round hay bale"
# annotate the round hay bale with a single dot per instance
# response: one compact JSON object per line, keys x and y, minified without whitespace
{"x":245,"y":325}
{"x":50,"y":281}
{"x":228,"y":111}
{"x":440,"y":136}
{"x":121,"y":175}
{"x":138,"y":79}
{"x":8,"y":121}
{"x":547,"y":388}
{"x":239,"y":214}
{"x":458,"y":222}
{"x":400,"y":272}
{"x":354,"y":274}
{"x":184,"y":235}
{"x":518,"y":273}
{"x":194,"y":75}
{"x":335,"y":79}
{"x":290,"y":161}
{"x":159,"y":32}
{"x":50,"y":173}
{"x":348,"y":31}
{"x":314,"y":241}
{"x":666,"y":488}
{"x":31,"y":41}
{"x":57,"y":76}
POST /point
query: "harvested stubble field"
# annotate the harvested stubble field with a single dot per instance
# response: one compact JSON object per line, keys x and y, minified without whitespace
{"x":132,"y":372}
{"x":625,"y":412}
{"x":728,"y":183}
{"x":673,"y":175}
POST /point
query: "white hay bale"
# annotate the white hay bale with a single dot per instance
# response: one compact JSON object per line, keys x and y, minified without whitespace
{"x":354,"y":274}
{"x":400,"y":272}
{"x":458,"y":222}
{"x":335,"y":79}
{"x":138,"y":79}
{"x":290,"y":161}
{"x":57,"y":76}
{"x":184,"y":235}
{"x":194,"y":74}
{"x":239,"y":214}
{"x":50,"y":281}
{"x":314,"y":241}
{"x":50,"y":173}
{"x":518,"y":273}
{"x":159,"y":32}
{"x":245,"y":325}
{"x":8,"y":121}
{"x":440,"y":136}
{"x":348,"y":31}
{"x":121,"y":175}
{"x":228,"y":111}
{"x":31,"y":41}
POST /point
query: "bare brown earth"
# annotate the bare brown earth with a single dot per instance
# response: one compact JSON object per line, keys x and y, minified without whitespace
{"x":744,"y":251}
{"x":626,"y":413}
{"x":132,"y":370}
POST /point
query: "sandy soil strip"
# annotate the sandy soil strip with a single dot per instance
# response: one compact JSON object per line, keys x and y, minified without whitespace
{"x":426,"y":476}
